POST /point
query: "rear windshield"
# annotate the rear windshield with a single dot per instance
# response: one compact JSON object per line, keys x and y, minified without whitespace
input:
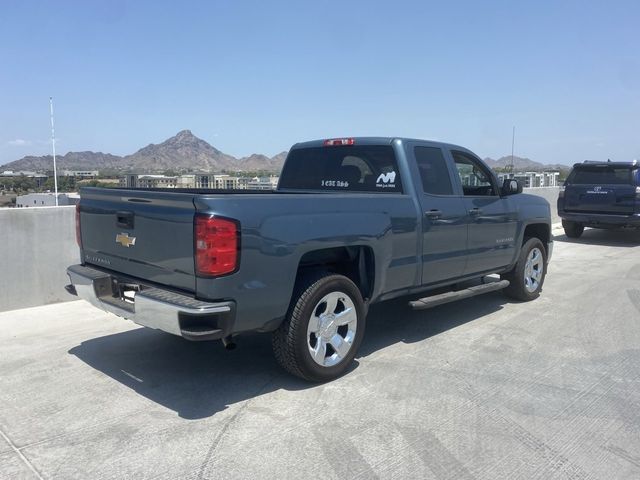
{"x":601,"y":175}
{"x":349,"y":168}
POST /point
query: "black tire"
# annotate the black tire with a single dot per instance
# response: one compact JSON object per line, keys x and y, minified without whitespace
{"x":518,"y":288}
{"x":291,"y":342}
{"x":572,"y":229}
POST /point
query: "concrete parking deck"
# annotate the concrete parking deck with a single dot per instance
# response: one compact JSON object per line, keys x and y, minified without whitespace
{"x":485,"y":388}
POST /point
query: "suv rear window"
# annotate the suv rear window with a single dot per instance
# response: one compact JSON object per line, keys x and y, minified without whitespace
{"x":601,"y":175}
{"x":349,"y":168}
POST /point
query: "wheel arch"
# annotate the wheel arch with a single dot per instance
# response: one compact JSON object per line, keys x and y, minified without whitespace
{"x":356,"y":262}
{"x":540,"y":230}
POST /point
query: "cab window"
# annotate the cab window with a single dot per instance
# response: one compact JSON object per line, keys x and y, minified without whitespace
{"x":474,"y":176}
{"x":433,"y":171}
{"x":353,"y":168}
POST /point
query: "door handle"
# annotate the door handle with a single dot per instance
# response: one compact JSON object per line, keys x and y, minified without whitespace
{"x":475,"y":212}
{"x":433,"y":214}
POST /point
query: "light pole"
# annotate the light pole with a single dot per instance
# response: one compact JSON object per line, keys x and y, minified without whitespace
{"x":513,"y":141}
{"x":53,"y":147}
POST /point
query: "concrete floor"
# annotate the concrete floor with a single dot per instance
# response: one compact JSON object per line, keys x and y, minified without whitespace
{"x":484,"y":388}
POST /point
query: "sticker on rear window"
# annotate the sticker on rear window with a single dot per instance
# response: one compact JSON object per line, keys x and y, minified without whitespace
{"x":386,"y":180}
{"x":334,"y":183}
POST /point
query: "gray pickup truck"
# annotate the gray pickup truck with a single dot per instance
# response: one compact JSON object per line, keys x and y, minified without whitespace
{"x":353,"y":221}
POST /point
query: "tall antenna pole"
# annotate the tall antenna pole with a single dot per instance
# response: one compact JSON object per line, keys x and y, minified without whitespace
{"x":53,"y":147}
{"x":513,"y":141}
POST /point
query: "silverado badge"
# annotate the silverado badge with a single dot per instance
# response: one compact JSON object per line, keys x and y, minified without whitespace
{"x":125,"y":240}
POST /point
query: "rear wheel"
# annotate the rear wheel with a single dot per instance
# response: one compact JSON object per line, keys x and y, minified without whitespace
{"x":572,"y":229}
{"x":527,"y":276}
{"x":323,"y":329}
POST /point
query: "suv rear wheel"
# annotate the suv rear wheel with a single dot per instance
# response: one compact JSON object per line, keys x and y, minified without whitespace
{"x":323,"y":329}
{"x":572,"y":229}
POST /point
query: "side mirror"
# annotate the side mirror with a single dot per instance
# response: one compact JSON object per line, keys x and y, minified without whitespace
{"x":511,"y":186}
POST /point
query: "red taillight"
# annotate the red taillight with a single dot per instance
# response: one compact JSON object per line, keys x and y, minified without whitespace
{"x":216,"y":245}
{"x":78,"y":233}
{"x":334,"y":142}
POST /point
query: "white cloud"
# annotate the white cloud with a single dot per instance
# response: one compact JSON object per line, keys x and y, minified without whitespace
{"x":18,"y":142}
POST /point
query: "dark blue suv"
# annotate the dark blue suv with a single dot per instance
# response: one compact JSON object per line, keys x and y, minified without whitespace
{"x":600,"y":195}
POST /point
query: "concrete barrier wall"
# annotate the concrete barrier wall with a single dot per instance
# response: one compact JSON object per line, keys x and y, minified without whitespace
{"x":550,"y":194}
{"x":36,"y":247}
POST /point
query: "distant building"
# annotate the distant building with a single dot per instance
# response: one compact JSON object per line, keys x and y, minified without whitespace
{"x":157,"y":181}
{"x":243,"y":182}
{"x":39,"y":178}
{"x":264,"y":183}
{"x":228,"y":182}
{"x":46,"y":199}
{"x":187,"y":181}
{"x":214,"y":181}
{"x":204,"y":180}
{"x":219,"y":181}
{"x":80,"y":173}
{"x":128,"y":181}
{"x":22,"y":173}
{"x":148,"y":181}
{"x":533,"y":179}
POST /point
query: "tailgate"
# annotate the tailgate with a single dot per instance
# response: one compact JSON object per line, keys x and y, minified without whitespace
{"x":604,"y":188}
{"x":143,"y":234}
{"x":614,"y":199}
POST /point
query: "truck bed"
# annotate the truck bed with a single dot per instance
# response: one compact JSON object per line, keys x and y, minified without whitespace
{"x":276,"y":230}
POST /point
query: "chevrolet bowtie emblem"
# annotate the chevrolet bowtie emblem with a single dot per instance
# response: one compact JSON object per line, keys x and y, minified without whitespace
{"x":125,"y":240}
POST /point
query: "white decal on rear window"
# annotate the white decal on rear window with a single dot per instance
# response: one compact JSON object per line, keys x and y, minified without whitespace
{"x":386,"y":180}
{"x":334,"y":183}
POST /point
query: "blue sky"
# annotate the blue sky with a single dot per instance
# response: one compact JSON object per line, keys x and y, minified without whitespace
{"x":259,"y":76}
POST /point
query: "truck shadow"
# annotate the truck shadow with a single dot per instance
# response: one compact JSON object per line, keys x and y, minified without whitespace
{"x":394,"y":321}
{"x":199,"y":379}
{"x":605,"y":238}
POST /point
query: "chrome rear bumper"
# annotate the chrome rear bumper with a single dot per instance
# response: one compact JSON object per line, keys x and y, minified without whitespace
{"x":152,"y":307}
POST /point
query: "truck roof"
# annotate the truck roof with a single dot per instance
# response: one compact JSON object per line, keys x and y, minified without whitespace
{"x":375,"y":141}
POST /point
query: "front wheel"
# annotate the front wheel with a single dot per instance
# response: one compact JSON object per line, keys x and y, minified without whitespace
{"x":528,"y":275}
{"x":323,"y":328}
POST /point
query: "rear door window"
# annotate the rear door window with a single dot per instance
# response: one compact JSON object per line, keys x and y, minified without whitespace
{"x":433,"y":171}
{"x":348,"y":168}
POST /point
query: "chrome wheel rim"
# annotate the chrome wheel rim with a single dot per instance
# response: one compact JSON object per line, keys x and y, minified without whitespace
{"x":332,"y":329}
{"x":533,"y":270}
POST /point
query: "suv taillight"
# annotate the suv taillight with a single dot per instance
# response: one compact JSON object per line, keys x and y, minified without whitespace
{"x":217,"y":242}
{"x":78,"y":232}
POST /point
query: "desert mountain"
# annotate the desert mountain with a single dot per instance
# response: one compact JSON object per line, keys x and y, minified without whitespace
{"x":70,"y":161}
{"x":262,"y":162}
{"x":522,"y":164}
{"x":183,"y":152}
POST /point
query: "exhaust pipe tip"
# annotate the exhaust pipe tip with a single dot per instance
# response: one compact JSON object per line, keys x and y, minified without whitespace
{"x":228,"y":343}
